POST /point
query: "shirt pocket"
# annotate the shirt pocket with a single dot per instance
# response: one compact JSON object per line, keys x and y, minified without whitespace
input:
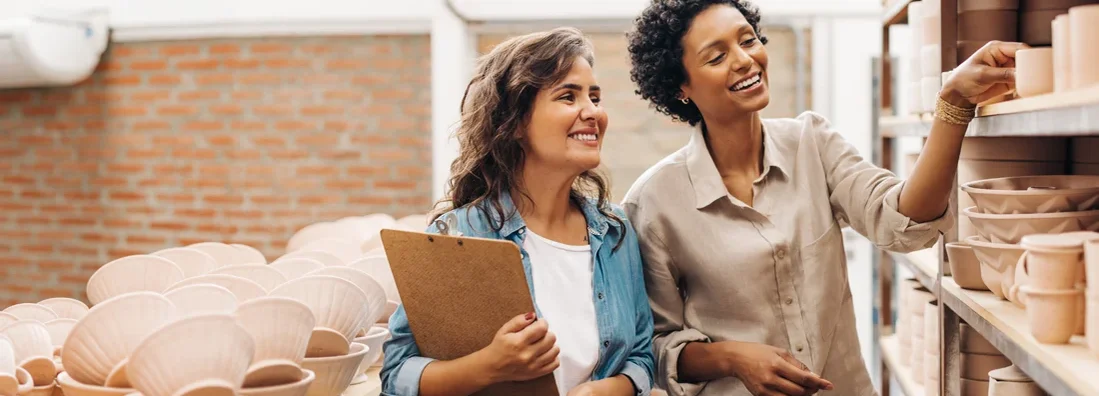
{"x":823,"y":265}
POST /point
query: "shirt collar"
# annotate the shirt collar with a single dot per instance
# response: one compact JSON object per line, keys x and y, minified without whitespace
{"x":703,"y":173}
{"x":598,"y":223}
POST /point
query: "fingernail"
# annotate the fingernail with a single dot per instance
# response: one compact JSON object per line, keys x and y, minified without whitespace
{"x":530,"y":316}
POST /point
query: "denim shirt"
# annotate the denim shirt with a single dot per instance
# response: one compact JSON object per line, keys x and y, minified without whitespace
{"x":621,"y":305}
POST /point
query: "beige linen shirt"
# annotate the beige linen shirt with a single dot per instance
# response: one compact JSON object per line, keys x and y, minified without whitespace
{"x":717,"y":269}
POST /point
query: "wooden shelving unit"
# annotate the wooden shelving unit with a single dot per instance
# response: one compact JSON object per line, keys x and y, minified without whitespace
{"x":924,"y":264}
{"x":891,"y":355}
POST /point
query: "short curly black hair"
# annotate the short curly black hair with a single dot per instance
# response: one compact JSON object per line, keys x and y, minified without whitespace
{"x":656,"y":51}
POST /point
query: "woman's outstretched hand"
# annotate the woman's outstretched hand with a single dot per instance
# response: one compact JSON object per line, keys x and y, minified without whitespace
{"x":988,"y":73}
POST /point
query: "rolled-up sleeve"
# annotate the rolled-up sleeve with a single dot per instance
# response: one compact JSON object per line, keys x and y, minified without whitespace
{"x":867,"y":197}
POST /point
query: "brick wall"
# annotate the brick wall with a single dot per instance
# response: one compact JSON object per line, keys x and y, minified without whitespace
{"x":229,"y":140}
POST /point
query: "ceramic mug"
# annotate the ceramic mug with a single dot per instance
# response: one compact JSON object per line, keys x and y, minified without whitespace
{"x":1034,"y":71}
{"x":1084,"y":25}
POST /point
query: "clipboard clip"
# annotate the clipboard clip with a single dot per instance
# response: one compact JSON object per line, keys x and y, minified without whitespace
{"x":448,"y":225}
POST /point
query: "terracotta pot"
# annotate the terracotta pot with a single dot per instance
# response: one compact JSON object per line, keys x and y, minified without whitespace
{"x":1091,"y":321}
{"x":1050,"y":265}
{"x":976,"y":367}
{"x":931,"y":62}
{"x":988,"y":25}
{"x":1032,"y":5}
{"x":1084,"y":27}
{"x":980,"y":5}
{"x":964,"y":266}
{"x":1035,"y":194}
{"x":1062,"y":54}
{"x":966,"y":49}
{"x":1052,"y":314}
{"x":974,"y":388}
{"x":974,"y":342}
{"x":1036,"y":27}
{"x":1034,"y":71}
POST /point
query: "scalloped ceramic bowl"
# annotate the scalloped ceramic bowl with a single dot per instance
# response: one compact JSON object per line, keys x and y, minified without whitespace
{"x":243,"y":289}
{"x":19,"y":383}
{"x":44,"y":390}
{"x":33,"y":349}
{"x":375,"y":294}
{"x":7,"y":356}
{"x":378,"y":267}
{"x":325,"y":258}
{"x":59,"y":330}
{"x":338,"y":306}
{"x":222,"y":253}
{"x":390,"y":308}
{"x":1035,"y":194}
{"x":296,"y":267}
{"x":262,"y":274}
{"x":193,"y":262}
{"x":202,"y":298}
{"x":135,"y":273}
{"x":310,"y":233}
{"x":334,"y":374}
{"x":101,"y":341}
{"x":294,"y":389}
{"x":374,"y":244}
{"x":281,"y":328}
{"x":249,"y":255}
{"x":29,"y":311}
{"x":373,"y":340}
{"x":998,"y":262}
{"x":346,"y":251}
{"x":72,"y":387}
{"x":65,"y":308}
{"x":194,"y":356}
{"x":1011,"y":228}
{"x":7,"y":318}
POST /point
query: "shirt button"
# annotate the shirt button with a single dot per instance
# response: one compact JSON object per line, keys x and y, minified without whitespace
{"x":600,"y":296}
{"x":781,"y":254}
{"x":606,"y":344}
{"x":800,"y":348}
{"x":789,"y":301}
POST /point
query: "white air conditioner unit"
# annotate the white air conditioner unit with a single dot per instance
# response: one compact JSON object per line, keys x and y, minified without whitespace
{"x":51,"y":48}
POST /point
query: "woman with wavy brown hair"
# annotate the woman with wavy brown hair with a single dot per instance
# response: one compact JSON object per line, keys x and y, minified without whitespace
{"x":530,"y":136}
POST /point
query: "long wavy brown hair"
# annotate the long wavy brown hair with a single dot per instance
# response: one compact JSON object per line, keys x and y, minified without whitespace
{"x":496,"y":109}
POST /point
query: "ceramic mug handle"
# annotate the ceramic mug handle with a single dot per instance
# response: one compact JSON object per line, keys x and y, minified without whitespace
{"x":1022,"y":276}
{"x":24,"y":379}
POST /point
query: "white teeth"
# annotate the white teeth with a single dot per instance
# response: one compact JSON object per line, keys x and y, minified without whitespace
{"x":585,"y":136}
{"x":747,"y":83}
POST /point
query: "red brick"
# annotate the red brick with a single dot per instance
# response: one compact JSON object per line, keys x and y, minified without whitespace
{"x":126,"y":111}
{"x":214,"y":79}
{"x":224,"y":49}
{"x":39,"y":111}
{"x":151,"y":125}
{"x":245,"y":126}
{"x":181,"y":49}
{"x":126,"y":196}
{"x":122,"y":79}
{"x":169,"y":225}
{"x":188,"y":96}
{"x":346,"y":64}
{"x":294,"y":125}
{"x":174,"y":140}
{"x":239,"y":154}
{"x":164,"y":79}
{"x":203,"y":126}
{"x":195,"y":154}
{"x":321,"y":110}
{"x":394,"y":185}
{"x":177,"y":110}
{"x":226,"y":110}
{"x":176,"y":198}
{"x":202,"y":64}
{"x":246,"y":95}
{"x":221,"y":140}
{"x":366,"y":171}
{"x":287,"y":63}
{"x":348,"y":184}
{"x":272,"y":110}
{"x":260,"y":79}
{"x":270,"y":48}
{"x":144,"y":239}
{"x":320,"y":199}
{"x":149,"y":65}
{"x":223,"y":199}
{"x":151,"y":96}
{"x":348,"y":94}
{"x":196,"y":213}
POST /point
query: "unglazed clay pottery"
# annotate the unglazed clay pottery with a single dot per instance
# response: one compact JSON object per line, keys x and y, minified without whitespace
{"x":59,"y":330}
{"x":223,"y":254}
{"x":72,"y":387}
{"x":998,"y":262}
{"x":338,"y":305}
{"x":917,"y":360}
{"x":7,"y":318}
{"x":977,"y":367}
{"x":375,"y":294}
{"x":1062,"y":55}
{"x":931,"y":31}
{"x":44,"y":390}
{"x":973,"y":342}
{"x":243,"y":289}
{"x":1052,"y":314}
{"x":1035,"y":194}
{"x":334,"y":374}
{"x":974,"y":388}
{"x":249,"y":255}
{"x":988,"y":25}
{"x":281,"y":328}
{"x":104,"y":338}
{"x":1034,"y":71}
{"x":28,"y":311}
{"x":378,"y":267}
{"x":964,"y":266}
{"x":16,"y":384}
{"x":33,"y":349}
{"x":981,"y":5}
{"x":1011,"y":289}
{"x":223,"y":346}
{"x":1091,"y":260}
{"x":131,"y":274}
{"x":267,"y":277}
{"x":193,"y":262}
{"x":297,"y":388}
{"x":373,"y":340}
{"x":346,"y":251}
{"x":202,"y":298}
{"x":1011,"y":228}
{"x":1051,"y":263}
{"x":296,"y":267}
{"x":1084,"y":28}
{"x":65,"y":308}
{"x":931,"y":61}
{"x":326,"y":259}
{"x":1091,"y":321}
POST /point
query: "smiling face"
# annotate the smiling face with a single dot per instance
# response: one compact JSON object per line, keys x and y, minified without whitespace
{"x":567,"y":123}
{"x":726,"y":63}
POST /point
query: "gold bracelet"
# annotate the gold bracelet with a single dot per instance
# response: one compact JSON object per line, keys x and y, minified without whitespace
{"x":952,"y":114}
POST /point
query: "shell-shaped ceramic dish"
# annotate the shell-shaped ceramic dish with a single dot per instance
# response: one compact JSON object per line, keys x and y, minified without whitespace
{"x":1035,"y":194}
{"x":110,"y":332}
{"x":66,"y":308}
{"x":72,"y":387}
{"x":202,"y":298}
{"x":374,"y":338}
{"x":310,"y":233}
{"x":33,"y":349}
{"x":997,"y":263}
{"x":222,"y":253}
{"x":167,"y":362}
{"x":7,"y":318}
{"x":325,"y":258}
{"x":7,"y":356}
{"x":262,"y":274}
{"x":375,"y":244}
{"x":249,"y":255}
{"x":336,"y":303}
{"x":135,"y":273}
{"x":358,"y":229}
{"x":375,"y":294}
{"x":243,"y":289}
{"x":193,"y":262}
{"x":295,"y":389}
{"x":345,"y":250}
{"x":334,"y":374}
{"x":296,"y":267}
{"x":1011,"y":228}
{"x":378,"y":267}
{"x":29,"y":311}
{"x":281,"y":327}
{"x":59,"y":330}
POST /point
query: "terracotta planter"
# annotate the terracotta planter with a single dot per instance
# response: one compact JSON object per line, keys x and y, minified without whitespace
{"x":931,"y":62}
{"x":1011,"y":228}
{"x":981,"y":5}
{"x":988,"y":25}
{"x":1034,"y":71}
{"x":974,"y":342}
{"x":1084,"y":28}
{"x":1052,"y":314}
{"x":974,"y":388}
{"x":966,"y":49}
{"x":1035,"y":194}
{"x":1062,"y":54}
{"x":998,"y":262}
{"x":1036,"y":27}
{"x":976,"y":367}
{"x":964,"y":266}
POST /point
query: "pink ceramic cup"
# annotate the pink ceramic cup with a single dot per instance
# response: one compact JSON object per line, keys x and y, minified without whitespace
{"x":1062,"y":54}
{"x":1034,"y":71}
{"x":1083,"y":31}
{"x":1052,"y":314}
{"x":1053,"y":269}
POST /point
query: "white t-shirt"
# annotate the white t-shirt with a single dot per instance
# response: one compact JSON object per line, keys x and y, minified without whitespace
{"x":563,"y":291}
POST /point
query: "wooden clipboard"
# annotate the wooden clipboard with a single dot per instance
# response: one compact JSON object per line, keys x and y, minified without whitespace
{"x":457,"y":292}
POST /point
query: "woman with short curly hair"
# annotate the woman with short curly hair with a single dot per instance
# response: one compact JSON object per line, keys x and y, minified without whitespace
{"x":741,"y":229}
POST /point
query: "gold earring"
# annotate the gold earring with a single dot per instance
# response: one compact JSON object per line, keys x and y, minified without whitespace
{"x":685,"y":100}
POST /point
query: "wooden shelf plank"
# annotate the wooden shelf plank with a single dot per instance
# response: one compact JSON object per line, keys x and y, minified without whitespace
{"x":372,"y":386}
{"x":1062,"y":370}
{"x":924,"y":264}
{"x":1072,"y":113}
{"x":891,"y":354}
{"x":896,"y":13}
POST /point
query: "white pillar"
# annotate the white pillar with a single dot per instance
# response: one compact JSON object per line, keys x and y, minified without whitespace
{"x":453,"y":53}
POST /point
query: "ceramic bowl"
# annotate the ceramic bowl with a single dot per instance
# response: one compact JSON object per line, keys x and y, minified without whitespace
{"x":345,"y":250}
{"x":223,"y":254}
{"x":105,"y":337}
{"x":193,"y":262}
{"x":977,"y":367}
{"x":222,"y":346}
{"x":973,"y":342}
{"x":294,"y":389}
{"x":72,"y":387}
{"x":1011,"y":228}
{"x":378,"y":267}
{"x":964,"y":266}
{"x":249,"y":255}
{"x":33,"y":349}
{"x":65,"y":308}
{"x":7,"y":318}
{"x":59,"y":330}
{"x":998,"y":262}
{"x":243,"y":289}
{"x":281,"y":328}
{"x":262,"y":274}
{"x":28,"y":311}
{"x":390,"y":308}
{"x":296,"y":267}
{"x":19,"y":383}
{"x":310,"y":233}
{"x":202,"y":298}
{"x":44,"y":390}
{"x":414,"y":221}
{"x":1035,"y":194}
{"x":1052,"y":314}
{"x":325,"y":258}
{"x":132,"y":274}
{"x":375,"y":294}
{"x":7,"y":356}
{"x":974,"y":388}
{"x":338,"y":306}
{"x":374,"y":339}
{"x":334,"y":374}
